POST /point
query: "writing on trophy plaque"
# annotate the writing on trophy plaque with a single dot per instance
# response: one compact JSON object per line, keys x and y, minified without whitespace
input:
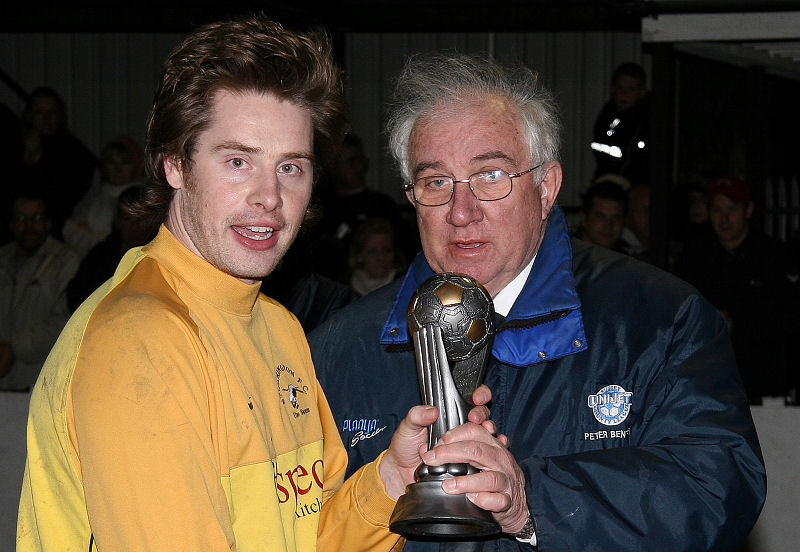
{"x":451,"y":320}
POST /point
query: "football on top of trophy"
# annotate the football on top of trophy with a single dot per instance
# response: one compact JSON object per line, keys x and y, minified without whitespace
{"x":460,"y":306}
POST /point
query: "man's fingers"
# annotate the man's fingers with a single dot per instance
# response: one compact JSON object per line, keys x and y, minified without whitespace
{"x":411,"y":436}
{"x":408,"y":442}
{"x":418,"y":418}
{"x":471,"y":432}
{"x":479,"y":454}
{"x":481,"y":395}
{"x":493,"y":502}
{"x":500,"y":492}
{"x":484,"y":481}
{"x":478,"y":414}
{"x":489,"y":426}
{"x":492,"y":491}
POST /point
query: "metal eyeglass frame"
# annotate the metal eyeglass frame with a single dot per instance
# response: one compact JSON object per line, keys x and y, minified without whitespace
{"x":409,"y":187}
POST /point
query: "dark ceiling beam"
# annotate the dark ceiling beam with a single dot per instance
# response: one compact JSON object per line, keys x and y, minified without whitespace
{"x":369,"y":15}
{"x":469,"y":16}
{"x":169,"y":17}
{"x":343,"y":16}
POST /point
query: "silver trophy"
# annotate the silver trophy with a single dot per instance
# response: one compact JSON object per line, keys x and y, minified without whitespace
{"x":451,"y":319}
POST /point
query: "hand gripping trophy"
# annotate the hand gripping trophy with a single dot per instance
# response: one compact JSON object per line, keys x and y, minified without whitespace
{"x":451,"y":319}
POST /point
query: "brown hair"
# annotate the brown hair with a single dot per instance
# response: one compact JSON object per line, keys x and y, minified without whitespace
{"x":253,"y":54}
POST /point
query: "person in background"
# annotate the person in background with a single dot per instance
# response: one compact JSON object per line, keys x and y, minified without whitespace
{"x":614,"y":381}
{"x":345,"y":201}
{"x":698,"y":206}
{"x":100,"y":263}
{"x":10,"y":154}
{"x":54,"y":164}
{"x":121,"y":166}
{"x":603,"y":209}
{"x":297,"y":285}
{"x":687,"y":216}
{"x":35,"y":269}
{"x":752,"y":279}
{"x":621,"y":137}
{"x":636,"y":233}
{"x":375,"y":258}
{"x":180,"y":409}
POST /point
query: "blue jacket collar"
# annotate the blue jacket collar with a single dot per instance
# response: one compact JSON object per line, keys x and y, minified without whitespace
{"x":544,"y":322}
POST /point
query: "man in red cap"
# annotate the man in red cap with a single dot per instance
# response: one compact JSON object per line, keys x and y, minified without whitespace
{"x":730,"y":209}
{"x":751,"y":279}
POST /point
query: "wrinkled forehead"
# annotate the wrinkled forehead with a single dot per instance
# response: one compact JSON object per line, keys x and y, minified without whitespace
{"x":472,"y":114}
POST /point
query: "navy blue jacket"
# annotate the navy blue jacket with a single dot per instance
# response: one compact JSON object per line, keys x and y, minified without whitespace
{"x":616,"y":384}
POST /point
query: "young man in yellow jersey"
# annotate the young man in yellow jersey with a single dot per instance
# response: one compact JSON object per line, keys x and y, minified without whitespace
{"x":179,"y":409}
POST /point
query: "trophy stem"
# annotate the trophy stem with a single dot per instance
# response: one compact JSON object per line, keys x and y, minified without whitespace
{"x":437,"y":386}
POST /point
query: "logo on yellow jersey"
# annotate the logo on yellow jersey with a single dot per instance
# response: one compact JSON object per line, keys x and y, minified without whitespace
{"x":298,"y":483}
{"x":292,"y":389}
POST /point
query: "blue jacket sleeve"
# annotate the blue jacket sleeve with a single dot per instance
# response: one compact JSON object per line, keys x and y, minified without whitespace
{"x":693,"y":477}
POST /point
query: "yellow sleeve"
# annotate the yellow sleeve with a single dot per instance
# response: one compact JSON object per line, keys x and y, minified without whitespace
{"x":143,"y":433}
{"x":355,"y":514}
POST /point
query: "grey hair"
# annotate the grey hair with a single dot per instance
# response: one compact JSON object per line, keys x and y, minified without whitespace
{"x":430,"y":84}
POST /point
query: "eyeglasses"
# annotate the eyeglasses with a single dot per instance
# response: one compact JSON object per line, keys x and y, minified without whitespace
{"x":436,"y":190}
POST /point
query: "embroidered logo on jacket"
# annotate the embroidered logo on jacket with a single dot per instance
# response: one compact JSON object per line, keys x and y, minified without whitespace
{"x":362,"y":428}
{"x":611,"y":405}
{"x":291,"y":388}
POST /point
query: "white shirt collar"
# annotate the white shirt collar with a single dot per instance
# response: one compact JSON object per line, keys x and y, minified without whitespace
{"x":504,"y":300}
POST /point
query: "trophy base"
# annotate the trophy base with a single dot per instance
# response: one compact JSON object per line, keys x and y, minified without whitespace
{"x":427,"y":511}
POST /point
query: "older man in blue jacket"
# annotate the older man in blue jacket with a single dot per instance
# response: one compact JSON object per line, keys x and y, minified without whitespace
{"x":615,"y":382}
